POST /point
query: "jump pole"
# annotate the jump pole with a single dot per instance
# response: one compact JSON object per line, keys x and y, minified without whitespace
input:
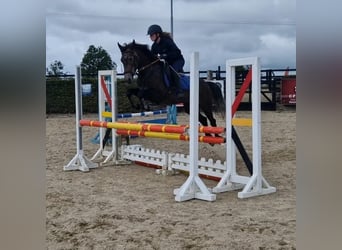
{"x":256,"y":184}
{"x":194,"y":187}
{"x":80,"y":161}
{"x":153,"y":127}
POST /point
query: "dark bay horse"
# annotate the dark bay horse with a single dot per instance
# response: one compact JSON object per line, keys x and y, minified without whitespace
{"x":138,"y":59}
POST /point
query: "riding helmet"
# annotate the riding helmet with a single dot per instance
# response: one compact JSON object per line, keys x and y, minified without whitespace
{"x":153,"y":29}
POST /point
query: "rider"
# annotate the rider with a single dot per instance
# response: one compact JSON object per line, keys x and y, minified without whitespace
{"x":165,"y":48}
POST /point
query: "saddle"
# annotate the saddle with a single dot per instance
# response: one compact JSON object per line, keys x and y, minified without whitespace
{"x":177,"y":83}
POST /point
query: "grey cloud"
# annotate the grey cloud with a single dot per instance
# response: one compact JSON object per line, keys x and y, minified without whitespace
{"x":217,"y":29}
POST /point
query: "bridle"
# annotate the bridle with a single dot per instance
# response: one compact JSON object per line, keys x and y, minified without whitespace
{"x":132,"y":57}
{"x":129,"y":60}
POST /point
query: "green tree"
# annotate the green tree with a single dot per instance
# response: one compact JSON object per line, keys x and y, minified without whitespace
{"x":55,"y":68}
{"x":96,"y":59}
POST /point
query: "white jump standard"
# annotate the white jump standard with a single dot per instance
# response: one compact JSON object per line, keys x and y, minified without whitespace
{"x":80,"y":161}
{"x":112,"y":102}
{"x":194,"y":187}
{"x":256,"y":184}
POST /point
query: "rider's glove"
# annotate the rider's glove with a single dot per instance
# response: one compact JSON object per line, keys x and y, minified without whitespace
{"x":162,"y":56}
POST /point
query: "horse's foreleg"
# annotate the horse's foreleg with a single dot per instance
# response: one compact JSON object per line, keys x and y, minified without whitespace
{"x":142,"y":104}
{"x":129,"y":94}
{"x":133,"y":92}
{"x":106,"y":137}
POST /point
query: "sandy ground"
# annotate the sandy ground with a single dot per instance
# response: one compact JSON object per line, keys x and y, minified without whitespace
{"x":131,"y":207}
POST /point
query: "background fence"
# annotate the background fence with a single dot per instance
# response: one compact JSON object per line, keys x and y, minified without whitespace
{"x":60,"y":91}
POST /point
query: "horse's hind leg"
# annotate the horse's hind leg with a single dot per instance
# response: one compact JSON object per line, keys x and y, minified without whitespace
{"x":212,"y":121}
{"x":202,"y":119}
{"x":209,"y":114}
{"x":204,"y":122}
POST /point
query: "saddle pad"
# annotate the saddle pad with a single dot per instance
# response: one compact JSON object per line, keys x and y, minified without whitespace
{"x":185,"y":82}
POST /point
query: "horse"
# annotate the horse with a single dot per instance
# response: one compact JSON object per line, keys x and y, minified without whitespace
{"x":137,"y":59}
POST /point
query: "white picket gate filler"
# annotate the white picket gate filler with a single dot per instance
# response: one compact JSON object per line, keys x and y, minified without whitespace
{"x":193,"y":187}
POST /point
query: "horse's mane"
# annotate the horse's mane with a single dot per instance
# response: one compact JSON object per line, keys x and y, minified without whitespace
{"x":144,"y":48}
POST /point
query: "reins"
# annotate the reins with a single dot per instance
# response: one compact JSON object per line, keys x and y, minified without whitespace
{"x":148,"y":65}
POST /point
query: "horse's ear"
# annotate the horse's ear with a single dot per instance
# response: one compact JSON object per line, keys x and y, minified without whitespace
{"x":120,"y":47}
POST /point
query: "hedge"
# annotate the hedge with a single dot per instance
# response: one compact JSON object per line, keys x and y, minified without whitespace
{"x":60,"y":96}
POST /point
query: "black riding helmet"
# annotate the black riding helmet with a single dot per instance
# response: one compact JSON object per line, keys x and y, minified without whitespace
{"x":153,"y":29}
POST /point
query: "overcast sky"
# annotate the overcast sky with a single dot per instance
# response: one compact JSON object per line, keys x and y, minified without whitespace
{"x":217,"y":29}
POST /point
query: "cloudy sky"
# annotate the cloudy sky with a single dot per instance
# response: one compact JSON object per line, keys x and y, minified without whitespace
{"x":217,"y":29}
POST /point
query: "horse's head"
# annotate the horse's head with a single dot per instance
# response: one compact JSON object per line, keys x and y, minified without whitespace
{"x":135,"y":57}
{"x":129,"y":59}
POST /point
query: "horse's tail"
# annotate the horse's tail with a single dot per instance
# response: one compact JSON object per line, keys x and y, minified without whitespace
{"x":219,"y":101}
